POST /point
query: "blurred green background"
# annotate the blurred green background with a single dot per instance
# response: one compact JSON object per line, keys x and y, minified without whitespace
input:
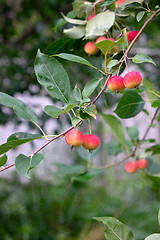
{"x":57,"y":208}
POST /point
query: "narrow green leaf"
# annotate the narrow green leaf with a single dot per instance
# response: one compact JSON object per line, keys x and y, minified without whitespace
{"x":16,"y":140}
{"x":75,"y":32}
{"x":125,"y":43}
{"x":155,"y":149}
{"x":3,"y":160}
{"x":19,"y":107}
{"x":141,"y":58}
{"x":68,"y":107}
{"x":100,"y":24}
{"x":130,"y":105}
{"x":74,"y":21}
{"x":150,"y":90}
{"x":116,"y":127}
{"x":116,"y":230}
{"x":155,"y":236}
{"x":74,"y":58}
{"x":22,"y":164}
{"x":77,"y":94}
{"x":156,"y":103}
{"x":91,"y":111}
{"x":133,"y":133}
{"x":140,"y":15}
{"x":90,"y":87}
{"x":52,"y":111}
{"x":88,"y":175}
{"x":35,"y":160}
{"x":65,"y":169}
{"x":106,"y":45}
{"x":52,"y":75}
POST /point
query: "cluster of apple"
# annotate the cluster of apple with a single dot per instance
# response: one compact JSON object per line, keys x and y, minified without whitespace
{"x":131,"y":80}
{"x":75,"y":138}
{"x":132,"y":167}
{"x":91,"y":49}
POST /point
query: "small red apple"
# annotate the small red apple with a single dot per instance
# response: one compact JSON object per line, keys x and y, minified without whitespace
{"x":115,"y":84}
{"x":131,"y":35}
{"x":131,"y":167}
{"x":119,"y":2}
{"x":100,"y":39}
{"x":91,"y":142}
{"x":132,"y":80}
{"x":74,"y":138}
{"x":90,"y":48}
{"x":142,"y":163}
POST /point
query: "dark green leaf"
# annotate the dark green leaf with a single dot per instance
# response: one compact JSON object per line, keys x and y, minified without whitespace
{"x":141,"y":58}
{"x":3,"y":160}
{"x":106,"y":45}
{"x":100,"y":24}
{"x":19,"y":107}
{"x":116,"y":230}
{"x":74,"y":58}
{"x":22,"y":164}
{"x":90,"y":87}
{"x":35,"y":160}
{"x":116,"y":127}
{"x":113,"y":147}
{"x":65,"y":169}
{"x":130,"y":105}
{"x":133,"y":133}
{"x":52,"y":75}
{"x":156,"y":103}
{"x":16,"y":140}
{"x":154,"y":149}
{"x":52,"y":111}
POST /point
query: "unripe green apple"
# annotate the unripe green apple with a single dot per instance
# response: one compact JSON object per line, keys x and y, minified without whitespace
{"x":142,"y":163}
{"x":115,"y":84}
{"x":131,"y":167}
{"x":90,"y":48}
{"x":91,"y":142}
{"x":132,"y":80}
{"x":74,"y":138}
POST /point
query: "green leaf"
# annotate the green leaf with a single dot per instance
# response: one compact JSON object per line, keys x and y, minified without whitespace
{"x":125,"y":43}
{"x":16,"y":140}
{"x":77,"y":4}
{"x":100,"y":24}
{"x":52,"y":111}
{"x":125,"y":3}
{"x":18,"y":107}
{"x":150,"y":89}
{"x":113,"y":147}
{"x":116,"y":127}
{"x":156,"y":103}
{"x":3,"y":160}
{"x":65,"y":169}
{"x":77,"y":94}
{"x":112,"y":63}
{"x":140,"y":15}
{"x":52,"y":75}
{"x":90,"y":87}
{"x":75,"y":121}
{"x":106,"y":45}
{"x":130,"y":105}
{"x":133,"y":133}
{"x":155,"y":149}
{"x":83,"y":101}
{"x":116,"y":230}
{"x":66,"y":108}
{"x":107,"y":3}
{"x":91,"y":111}
{"x":155,"y":236}
{"x":141,"y":58}
{"x":74,"y":58}
{"x":75,"y":32}
{"x":88,"y":175}
{"x":74,"y":21}
{"x":22,"y":164}
{"x":35,"y":160}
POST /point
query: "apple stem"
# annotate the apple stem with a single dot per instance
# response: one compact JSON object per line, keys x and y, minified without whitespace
{"x":89,"y":126}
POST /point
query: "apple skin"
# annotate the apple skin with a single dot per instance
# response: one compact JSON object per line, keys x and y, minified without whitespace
{"x":115,"y":84}
{"x":90,"y":48}
{"x":131,"y":167}
{"x":100,"y":39}
{"x":119,"y":2}
{"x":74,"y":138}
{"x":131,"y":35}
{"x":132,"y":80}
{"x":90,"y":17}
{"x":142,"y":163}
{"x":91,"y":142}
